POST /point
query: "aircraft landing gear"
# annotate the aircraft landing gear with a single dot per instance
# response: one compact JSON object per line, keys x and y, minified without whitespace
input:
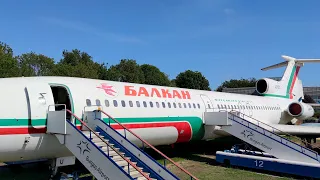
{"x":54,"y":175}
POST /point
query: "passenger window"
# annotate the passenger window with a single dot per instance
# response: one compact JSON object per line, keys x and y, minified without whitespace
{"x":169,"y":105}
{"x":138,"y":103}
{"x":194,"y":106}
{"x":115,"y":103}
{"x":185,"y":105}
{"x":179,"y":105}
{"x":218,"y":106}
{"x":144,"y":104}
{"x":98,"y":102}
{"x":199,"y":106}
{"x":88,"y":102}
{"x":174,"y":105}
{"x":106,"y":102}
{"x":163,"y":105}
{"x":157,"y":103}
{"x":228,"y":106}
{"x":151,"y":104}
{"x":208,"y":106}
{"x":130,"y":104}
{"x":123,"y":103}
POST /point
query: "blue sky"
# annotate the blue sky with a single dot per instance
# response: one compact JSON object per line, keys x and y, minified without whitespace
{"x":223,"y":39}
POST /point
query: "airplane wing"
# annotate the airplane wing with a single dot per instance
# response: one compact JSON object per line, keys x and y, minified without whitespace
{"x":314,"y":104}
{"x":305,"y":129}
{"x":282,"y":129}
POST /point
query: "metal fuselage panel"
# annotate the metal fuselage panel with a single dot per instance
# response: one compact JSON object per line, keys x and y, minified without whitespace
{"x":163,"y":121}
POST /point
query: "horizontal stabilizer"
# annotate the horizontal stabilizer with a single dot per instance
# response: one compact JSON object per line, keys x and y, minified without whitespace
{"x":275,"y":66}
{"x":298,"y":62}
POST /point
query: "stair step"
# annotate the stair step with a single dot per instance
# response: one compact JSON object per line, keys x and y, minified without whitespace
{"x":143,"y":178}
{"x":113,"y":153}
{"x":105,"y":148}
{"x":93,"y":136}
{"x":124,"y":163}
{"x":136,"y":174}
{"x":97,"y":140}
{"x":119,"y":158}
{"x":101,"y":143}
{"x":125,"y":168}
{"x":88,"y":133}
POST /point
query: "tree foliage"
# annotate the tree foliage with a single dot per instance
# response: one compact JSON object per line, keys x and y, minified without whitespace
{"x":76,"y":63}
{"x":237,"y":83}
{"x":126,"y":71}
{"x":192,"y":80}
{"x":153,"y":75}
{"x":8,"y":64}
{"x":32,"y":64}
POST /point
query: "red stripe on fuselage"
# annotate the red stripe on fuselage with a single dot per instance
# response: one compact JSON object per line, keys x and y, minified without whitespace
{"x":183,"y":128}
{"x":294,"y":81}
{"x":25,"y":130}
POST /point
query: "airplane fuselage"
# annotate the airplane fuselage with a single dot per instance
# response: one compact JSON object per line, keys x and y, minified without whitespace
{"x":160,"y":115}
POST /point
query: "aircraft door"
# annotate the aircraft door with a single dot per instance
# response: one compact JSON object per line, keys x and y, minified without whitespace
{"x":207,"y":102}
{"x":39,"y":97}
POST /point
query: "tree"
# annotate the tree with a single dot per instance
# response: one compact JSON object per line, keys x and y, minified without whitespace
{"x":153,"y":75}
{"x":173,"y":83}
{"x":78,"y":64}
{"x":235,"y":83}
{"x":126,"y":71}
{"x":192,"y":80}
{"x":103,"y":72}
{"x":8,"y":64}
{"x":32,"y":64}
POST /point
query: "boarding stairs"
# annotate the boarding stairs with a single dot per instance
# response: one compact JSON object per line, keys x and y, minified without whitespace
{"x":104,"y":151}
{"x":261,"y":135}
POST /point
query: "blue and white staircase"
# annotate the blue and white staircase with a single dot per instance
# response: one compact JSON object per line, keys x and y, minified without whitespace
{"x":261,"y":136}
{"x":104,"y":151}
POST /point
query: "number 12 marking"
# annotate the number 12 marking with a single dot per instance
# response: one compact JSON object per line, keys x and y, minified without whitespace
{"x":259,"y":163}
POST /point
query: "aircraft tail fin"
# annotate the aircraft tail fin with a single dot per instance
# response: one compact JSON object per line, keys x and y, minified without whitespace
{"x":290,"y":86}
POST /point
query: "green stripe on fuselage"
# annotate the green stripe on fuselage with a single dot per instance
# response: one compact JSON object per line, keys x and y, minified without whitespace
{"x":195,"y":122}
{"x":22,"y":122}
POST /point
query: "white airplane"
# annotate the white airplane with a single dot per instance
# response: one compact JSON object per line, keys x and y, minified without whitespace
{"x":160,"y":115}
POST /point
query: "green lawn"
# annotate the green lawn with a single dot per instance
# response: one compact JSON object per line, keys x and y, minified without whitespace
{"x":206,"y":171}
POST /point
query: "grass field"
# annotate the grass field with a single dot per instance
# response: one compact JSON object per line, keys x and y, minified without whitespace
{"x":198,"y":158}
{"x":205,"y":171}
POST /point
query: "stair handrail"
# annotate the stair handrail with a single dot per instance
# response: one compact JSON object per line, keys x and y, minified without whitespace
{"x":155,"y":149}
{"x":123,"y":157}
{"x":287,"y":134}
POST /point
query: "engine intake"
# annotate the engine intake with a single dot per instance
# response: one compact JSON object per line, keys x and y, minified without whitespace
{"x":270,"y":86}
{"x":295,"y":109}
{"x":300,"y":110}
{"x":262,"y":86}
